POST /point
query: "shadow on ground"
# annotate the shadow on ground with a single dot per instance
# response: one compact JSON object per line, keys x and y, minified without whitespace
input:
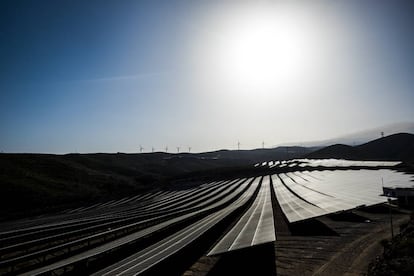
{"x":348,"y":216}
{"x":311,"y":227}
{"x":257,"y":260}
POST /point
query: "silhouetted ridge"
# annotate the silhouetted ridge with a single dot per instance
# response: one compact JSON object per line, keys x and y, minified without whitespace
{"x":398,"y":146}
{"x":335,"y":151}
{"x":394,"y":147}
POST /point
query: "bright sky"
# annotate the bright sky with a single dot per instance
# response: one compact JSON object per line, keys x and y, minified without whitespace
{"x":108,"y":76}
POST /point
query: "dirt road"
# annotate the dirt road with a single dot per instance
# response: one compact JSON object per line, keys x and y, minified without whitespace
{"x":348,"y":253}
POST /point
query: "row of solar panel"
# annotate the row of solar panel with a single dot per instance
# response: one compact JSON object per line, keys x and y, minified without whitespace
{"x":304,"y":195}
{"x":331,"y":163}
{"x":301,"y":195}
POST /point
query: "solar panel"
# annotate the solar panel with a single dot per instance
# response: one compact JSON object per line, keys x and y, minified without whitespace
{"x":294,"y":208}
{"x":255,"y":227}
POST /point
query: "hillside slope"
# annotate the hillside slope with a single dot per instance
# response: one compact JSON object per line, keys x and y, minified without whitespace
{"x":34,"y":182}
{"x":38,"y":181}
{"x":394,"y":147}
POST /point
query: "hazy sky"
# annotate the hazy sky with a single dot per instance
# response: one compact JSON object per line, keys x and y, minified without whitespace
{"x":108,"y":76}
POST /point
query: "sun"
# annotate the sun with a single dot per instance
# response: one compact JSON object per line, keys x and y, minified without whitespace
{"x":264,"y":49}
{"x":260,"y":49}
{"x":262,"y":52}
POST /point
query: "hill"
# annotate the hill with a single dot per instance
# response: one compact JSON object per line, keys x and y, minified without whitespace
{"x":393,"y":147}
{"x":365,"y":136}
{"x":30,"y":183}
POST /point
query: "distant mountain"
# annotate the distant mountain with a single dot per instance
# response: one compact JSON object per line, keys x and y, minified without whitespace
{"x":335,"y":151}
{"x":362,"y":137}
{"x":258,"y":155}
{"x":393,"y":147}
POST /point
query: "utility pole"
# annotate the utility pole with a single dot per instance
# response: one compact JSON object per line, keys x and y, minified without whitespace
{"x":178,"y":149}
{"x":238,"y":145}
{"x":166,"y":148}
{"x":382,"y":134}
{"x":389,"y":206}
{"x":391,"y":224}
{"x":263,"y":145}
{"x":189,"y":149}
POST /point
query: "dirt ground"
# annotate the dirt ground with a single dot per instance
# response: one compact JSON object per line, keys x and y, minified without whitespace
{"x":331,"y":245}
{"x":349,"y":252}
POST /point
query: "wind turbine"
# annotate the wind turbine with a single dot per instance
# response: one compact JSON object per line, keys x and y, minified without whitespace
{"x":140,"y":148}
{"x":189,"y":149}
{"x":178,"y":149}
{"x":152,"y":149}
{"x":238,"y":145}
{"x":166,"y":148}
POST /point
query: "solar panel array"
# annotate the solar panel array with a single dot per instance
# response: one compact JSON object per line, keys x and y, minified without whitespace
{"x":74,"y":238}
{"x":328,"y":163}
{"x":304,"y":195}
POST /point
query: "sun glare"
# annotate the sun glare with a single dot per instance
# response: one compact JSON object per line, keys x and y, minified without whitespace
{"x":262,"y":52}
{"x":260,"y":49}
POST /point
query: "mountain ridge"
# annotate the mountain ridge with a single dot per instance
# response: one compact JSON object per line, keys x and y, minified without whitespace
{"x":398,"y":146}
{"x":363,"y":136}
